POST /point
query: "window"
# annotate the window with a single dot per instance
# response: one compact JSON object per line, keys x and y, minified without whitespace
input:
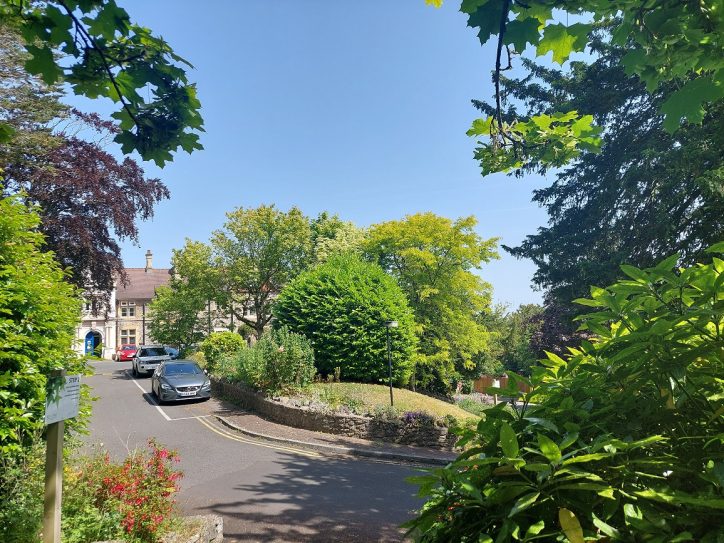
{"x":128,"y":309}
{"x":87,"y":306}
{"x":128,"y":336}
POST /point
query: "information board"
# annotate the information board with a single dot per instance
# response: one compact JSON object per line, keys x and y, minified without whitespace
{"x":63,"y":399}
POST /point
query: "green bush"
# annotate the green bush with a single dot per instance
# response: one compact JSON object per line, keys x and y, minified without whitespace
{"x":281,"y":361}
{"x":38,"y":315}
{"x":39,"y":312}
{"x":219,"y":345}
{"x":21,"y":488}
{"x":621,"y":441}
{"x":472,"y":406}
{"x":341,"y":306}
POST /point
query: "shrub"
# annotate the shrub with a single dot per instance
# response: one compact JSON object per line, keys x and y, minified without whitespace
{"x":280,"y":361}
{"x":472,"y":406}
{"x":21,"y":488}
{"x":105,"y":500}
{"x":219,"y":345}
{"x":38,"y":315}
{"x":341,"y":306}
{"x":621,"y":441}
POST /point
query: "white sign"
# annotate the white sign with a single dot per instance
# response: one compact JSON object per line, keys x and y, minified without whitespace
{"x":62,"y":403}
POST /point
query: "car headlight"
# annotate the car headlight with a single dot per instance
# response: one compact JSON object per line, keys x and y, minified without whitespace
{"x":207,"y":384}
{"x":165,"y":386}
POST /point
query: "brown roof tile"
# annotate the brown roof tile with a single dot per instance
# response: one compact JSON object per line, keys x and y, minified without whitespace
{"x":142,"y":283}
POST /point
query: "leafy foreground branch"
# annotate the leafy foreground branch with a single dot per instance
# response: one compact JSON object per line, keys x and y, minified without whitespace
{"x":621,"y":441}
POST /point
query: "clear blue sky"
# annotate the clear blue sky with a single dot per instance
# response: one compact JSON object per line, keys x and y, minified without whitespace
{"x":354,"y":106}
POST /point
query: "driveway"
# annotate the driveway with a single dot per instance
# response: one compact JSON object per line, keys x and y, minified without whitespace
{"x":264,"y":491}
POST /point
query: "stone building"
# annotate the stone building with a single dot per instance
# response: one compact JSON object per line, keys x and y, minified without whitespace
{"x":125,"y":320}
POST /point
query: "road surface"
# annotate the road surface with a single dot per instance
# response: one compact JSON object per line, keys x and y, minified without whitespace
{"x":264,"y":491}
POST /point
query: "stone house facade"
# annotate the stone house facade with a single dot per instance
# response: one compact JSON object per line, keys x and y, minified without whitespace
{"x":124,"y":321}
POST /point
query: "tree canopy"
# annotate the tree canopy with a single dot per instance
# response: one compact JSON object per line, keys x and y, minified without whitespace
{"x":434,"y":259}
{"x":646,"y":194}
{"x":93,"y":46}
{"x":667,"y":41}
{"x":88,"y":200}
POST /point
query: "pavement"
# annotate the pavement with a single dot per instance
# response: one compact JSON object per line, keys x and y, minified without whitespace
{"x":270,"y":483}
{"x":252,"y":425}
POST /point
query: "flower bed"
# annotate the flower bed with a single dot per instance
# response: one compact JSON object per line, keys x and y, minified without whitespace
{"x":415,"y":429}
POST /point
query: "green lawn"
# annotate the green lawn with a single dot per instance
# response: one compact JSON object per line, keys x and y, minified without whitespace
{"x":365,"y":399}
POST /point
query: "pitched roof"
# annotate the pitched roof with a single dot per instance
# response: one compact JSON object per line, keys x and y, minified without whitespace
{"x":142,"y":283}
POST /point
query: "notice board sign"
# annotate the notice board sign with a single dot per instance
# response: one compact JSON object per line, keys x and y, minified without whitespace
{"x":63,"y":398}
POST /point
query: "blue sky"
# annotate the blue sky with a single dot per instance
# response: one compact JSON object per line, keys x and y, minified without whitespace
{"x":352,"y":106}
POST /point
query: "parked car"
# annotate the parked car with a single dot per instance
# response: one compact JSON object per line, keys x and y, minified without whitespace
{"x":180,"y":380}
{"x":124,"y":353}
{"x":148,"y":358}
{"x":173,"y":353}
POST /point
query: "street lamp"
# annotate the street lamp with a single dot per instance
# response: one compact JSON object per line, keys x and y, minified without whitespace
{"x":388,"y":325}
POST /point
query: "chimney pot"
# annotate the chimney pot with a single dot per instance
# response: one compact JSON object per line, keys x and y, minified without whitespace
{"x":149,"y":260}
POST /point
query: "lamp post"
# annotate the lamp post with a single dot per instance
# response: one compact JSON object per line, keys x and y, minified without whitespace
{"x":388,"y":325}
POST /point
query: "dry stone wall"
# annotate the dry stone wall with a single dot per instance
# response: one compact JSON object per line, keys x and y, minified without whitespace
{"x":417,"y":432}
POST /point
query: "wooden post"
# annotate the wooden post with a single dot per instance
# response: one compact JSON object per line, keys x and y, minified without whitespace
{"x":53,"y":477}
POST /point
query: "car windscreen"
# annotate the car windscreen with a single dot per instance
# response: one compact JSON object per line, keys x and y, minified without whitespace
{"x":178,"y":369}
{"x":129,"y":348}
{"x":152,"y":351}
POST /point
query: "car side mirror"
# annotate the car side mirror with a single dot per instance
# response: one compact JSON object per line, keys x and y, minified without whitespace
{"x":206,"y":371}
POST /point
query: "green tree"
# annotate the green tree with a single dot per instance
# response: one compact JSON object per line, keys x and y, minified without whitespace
{"x":647,"y":193}
{"x":433,"y":259}
{"x":255,"y":255}
{"x":332,"y":236}
{"x":342,"y":306}
{"x":179,"y":313}
{"x":93,"y":46}
{"x":623,"y":440}
{"x":667,"y":42}
{"x":511,"y":345}
{"x":176,"y":316}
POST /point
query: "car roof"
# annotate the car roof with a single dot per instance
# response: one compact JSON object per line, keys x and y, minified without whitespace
{"x":172,"y":362}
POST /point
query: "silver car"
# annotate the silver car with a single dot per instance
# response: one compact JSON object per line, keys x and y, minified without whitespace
{"x":180,"y":380}
{"x":148,"y":358}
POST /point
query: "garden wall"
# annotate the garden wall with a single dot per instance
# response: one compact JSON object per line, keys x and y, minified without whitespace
{"x":417,"y":432}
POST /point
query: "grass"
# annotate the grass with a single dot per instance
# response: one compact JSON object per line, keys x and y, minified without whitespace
{"x":366,"y":399}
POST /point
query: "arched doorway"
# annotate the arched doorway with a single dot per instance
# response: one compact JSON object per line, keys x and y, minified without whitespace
{"x":92,"y":340}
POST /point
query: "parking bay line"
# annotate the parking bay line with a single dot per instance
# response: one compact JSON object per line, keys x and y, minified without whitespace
{"x":240,"y":439}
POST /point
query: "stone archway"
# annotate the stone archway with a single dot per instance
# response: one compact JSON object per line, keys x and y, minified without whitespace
{"x":92,"y":340}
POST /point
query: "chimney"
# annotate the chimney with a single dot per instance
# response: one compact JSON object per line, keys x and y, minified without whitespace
{"x":149,"y":260}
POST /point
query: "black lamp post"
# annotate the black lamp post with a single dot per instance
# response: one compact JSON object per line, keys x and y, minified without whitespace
{"x":388,"y":325}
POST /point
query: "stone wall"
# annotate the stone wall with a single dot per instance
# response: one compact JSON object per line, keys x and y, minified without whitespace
{"x":416,"y":431}
{"x":195,"y":529}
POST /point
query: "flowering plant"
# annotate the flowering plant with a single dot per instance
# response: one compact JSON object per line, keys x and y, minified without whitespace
{"x":139,"y":491}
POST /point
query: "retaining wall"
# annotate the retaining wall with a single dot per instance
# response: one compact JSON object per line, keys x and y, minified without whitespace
{"x":420,"y":433}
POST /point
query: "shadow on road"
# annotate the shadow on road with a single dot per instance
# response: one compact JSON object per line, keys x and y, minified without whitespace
{"x":320,"y":500}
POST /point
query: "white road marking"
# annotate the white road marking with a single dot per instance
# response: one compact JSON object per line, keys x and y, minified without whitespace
{"x":152,"y":399}
{"x":153,"y":402}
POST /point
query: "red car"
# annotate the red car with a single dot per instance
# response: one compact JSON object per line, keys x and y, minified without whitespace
{"x":124,"y":353}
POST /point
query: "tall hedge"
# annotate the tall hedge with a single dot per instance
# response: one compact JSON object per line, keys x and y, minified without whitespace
{"x":342,"y":306}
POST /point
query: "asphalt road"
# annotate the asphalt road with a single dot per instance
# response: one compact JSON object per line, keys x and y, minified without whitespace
{"x":263,"y":491}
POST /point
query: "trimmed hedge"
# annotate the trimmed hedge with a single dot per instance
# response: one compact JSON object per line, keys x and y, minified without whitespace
{"x":220,"y":344}
{"x":342,"y":306}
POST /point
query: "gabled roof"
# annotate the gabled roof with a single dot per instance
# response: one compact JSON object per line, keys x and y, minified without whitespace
{"x":142,"y":283}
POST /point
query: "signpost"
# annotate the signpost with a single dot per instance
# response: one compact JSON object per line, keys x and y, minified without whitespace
{"x":62,"y":403}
